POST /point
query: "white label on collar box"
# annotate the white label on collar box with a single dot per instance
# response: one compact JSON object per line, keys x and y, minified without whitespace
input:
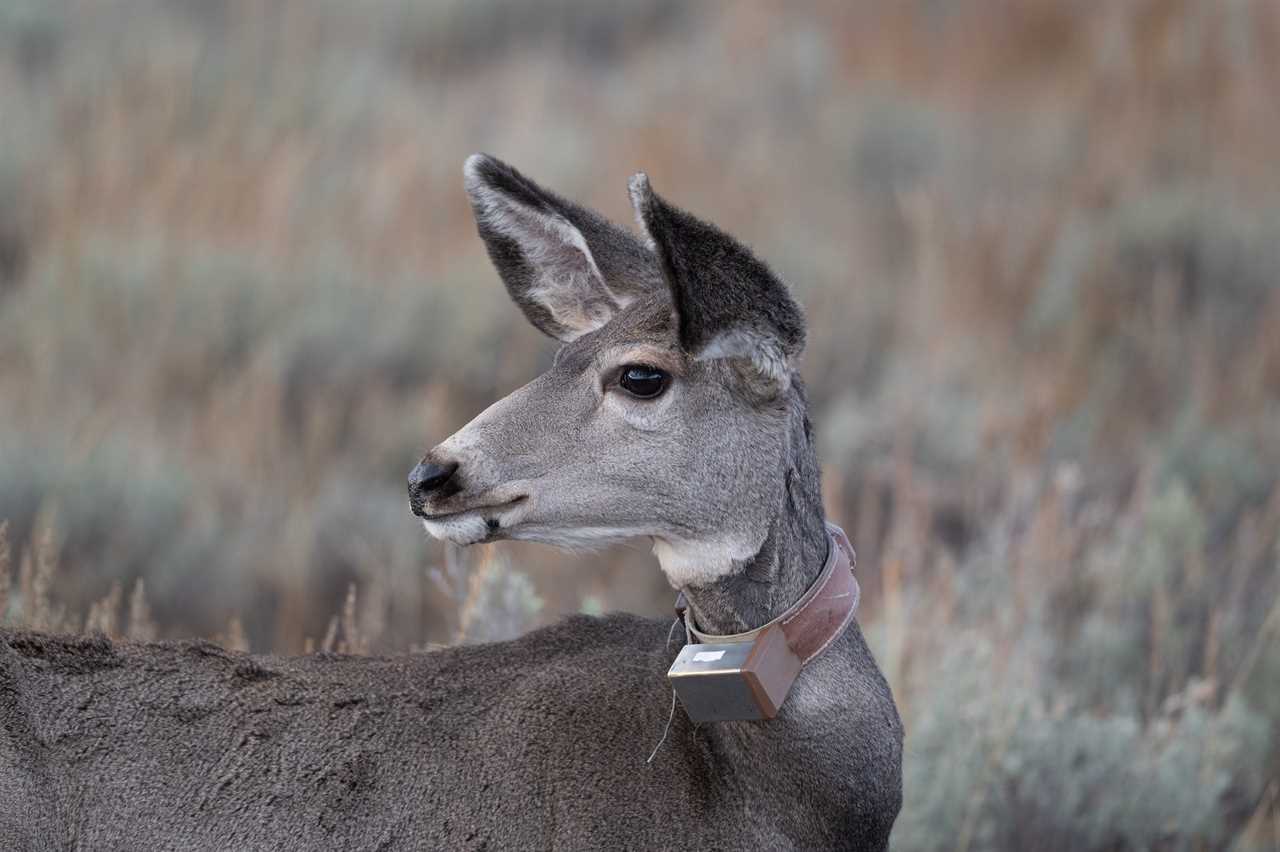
{"x":707,"y":656}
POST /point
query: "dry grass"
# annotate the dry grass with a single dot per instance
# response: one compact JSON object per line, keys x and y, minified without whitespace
{"x":240,"y":292}
{"x":6,"y":560}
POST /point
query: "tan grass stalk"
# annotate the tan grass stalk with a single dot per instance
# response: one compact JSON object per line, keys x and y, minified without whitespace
{"x":1268,"y":632}
{"x":330,"y":636}
{"x":141,"y":627}
{"x":5,"y":562}
{"x":26,"y":581}
{"x":46,"y":564}
{"x":1161,"y":618}
{"x":235,"y":638}
{"x":895,"y":632}
{"x":475,"y":594}
{"x":1262,"y":829}
{"x":104,"y":613}
{"x":352,"y":640}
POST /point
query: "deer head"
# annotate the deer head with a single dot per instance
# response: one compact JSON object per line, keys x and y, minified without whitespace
{"x":670,"y":409}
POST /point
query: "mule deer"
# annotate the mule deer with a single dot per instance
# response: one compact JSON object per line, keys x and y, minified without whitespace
{"x":672,"y":411}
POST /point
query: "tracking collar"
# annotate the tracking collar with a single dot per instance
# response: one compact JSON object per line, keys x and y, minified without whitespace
{"x":748,"y":675}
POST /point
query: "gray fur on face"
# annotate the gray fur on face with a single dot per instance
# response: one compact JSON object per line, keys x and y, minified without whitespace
{"x":596,"y":466}
{"x":586,"y":464}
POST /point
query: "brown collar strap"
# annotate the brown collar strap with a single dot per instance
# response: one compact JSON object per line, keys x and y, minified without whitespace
{"x":812,"y":623}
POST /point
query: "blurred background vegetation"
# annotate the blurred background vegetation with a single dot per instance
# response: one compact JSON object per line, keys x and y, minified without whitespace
{"x":1039,"y":244}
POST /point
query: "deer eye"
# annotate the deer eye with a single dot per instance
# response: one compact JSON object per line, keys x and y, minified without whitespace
{"x":643,"y":381}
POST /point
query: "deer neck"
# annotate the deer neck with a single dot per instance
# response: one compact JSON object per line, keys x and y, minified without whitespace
{"x":792,"y":555}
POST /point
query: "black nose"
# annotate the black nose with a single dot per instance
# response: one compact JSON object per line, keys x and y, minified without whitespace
{"x":425,"y":478}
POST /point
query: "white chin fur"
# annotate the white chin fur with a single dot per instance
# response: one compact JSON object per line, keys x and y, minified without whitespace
{"x":461,"y":530}
{"x":697,"y":563}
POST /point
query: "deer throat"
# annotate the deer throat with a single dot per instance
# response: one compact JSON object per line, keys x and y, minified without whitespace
{"x":699,"y":563}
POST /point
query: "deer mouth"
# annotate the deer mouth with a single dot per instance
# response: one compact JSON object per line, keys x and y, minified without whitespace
{"x":492,"y":508}
{"x":472,"y":524}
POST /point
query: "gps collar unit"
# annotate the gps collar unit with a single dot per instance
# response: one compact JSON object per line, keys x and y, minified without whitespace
{"x":748,"y":675}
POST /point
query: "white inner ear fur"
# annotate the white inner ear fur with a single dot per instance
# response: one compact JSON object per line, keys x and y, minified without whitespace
{"x":763,"y":351}
{"x":638,"y":189}
{"x":567,"y":281}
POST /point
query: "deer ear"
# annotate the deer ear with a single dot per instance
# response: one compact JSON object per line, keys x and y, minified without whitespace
{"x":568,"y":268}
{"x":728,"y":303}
